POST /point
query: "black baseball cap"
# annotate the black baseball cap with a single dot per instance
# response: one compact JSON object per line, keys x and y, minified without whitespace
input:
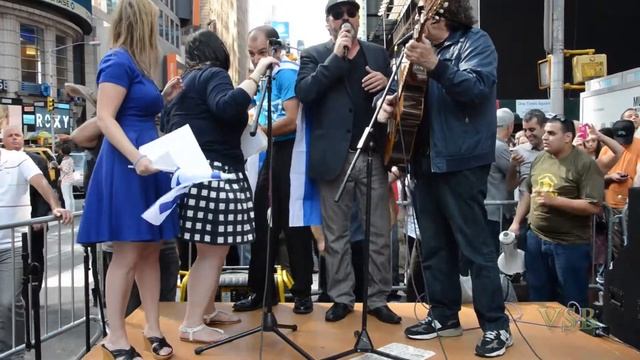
{"x":623,"y":131}
{"x":332,"y":3}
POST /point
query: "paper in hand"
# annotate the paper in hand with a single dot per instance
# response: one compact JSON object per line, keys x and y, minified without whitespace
{"x":177,"y":149}
{"x":252,"y":145}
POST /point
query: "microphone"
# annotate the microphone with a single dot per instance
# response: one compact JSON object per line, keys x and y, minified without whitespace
{"x":277,"y":43}
{"x":346,"y":26}
{"x":404,"y":40}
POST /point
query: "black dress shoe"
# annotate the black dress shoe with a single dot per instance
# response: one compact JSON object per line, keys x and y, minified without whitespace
{"x":303,"y":305}
{"x":337,"y":312}
{"x":251,"y":303}
{"x":385,"y":314}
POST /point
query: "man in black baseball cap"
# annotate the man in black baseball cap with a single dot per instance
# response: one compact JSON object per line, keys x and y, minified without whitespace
{"x":340,"y":116}
{"x":332,"y":3}
{"x":623,"y":131}
{"x":622,"y":176}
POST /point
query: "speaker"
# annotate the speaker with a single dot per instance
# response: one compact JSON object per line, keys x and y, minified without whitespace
{"x":621,"y":308}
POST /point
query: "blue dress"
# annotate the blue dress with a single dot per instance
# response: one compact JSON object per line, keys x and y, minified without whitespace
{"x":117,"y":196}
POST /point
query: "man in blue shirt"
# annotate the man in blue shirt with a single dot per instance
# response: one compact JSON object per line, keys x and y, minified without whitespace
{"x":284,"y":111}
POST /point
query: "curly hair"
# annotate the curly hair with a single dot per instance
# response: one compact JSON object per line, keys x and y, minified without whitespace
{"x":459,"y":15}
{"x":205,"y":47}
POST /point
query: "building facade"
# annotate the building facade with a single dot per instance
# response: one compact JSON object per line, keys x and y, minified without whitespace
{"x":230,"y":20}
{"x":38,"y":56}
{"x":169,"y":34}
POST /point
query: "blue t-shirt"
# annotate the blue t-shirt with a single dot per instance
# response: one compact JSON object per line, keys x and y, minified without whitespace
{"x":283,"y":89}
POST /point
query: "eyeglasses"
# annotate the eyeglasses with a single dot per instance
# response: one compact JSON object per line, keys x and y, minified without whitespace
{"x":338,"y":12}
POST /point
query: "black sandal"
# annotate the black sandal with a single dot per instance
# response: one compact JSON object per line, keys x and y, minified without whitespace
{"x":119,"y":354}
{"x":155,"y":344}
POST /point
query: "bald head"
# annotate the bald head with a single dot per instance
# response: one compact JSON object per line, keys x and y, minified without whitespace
{"x":12,"y":138}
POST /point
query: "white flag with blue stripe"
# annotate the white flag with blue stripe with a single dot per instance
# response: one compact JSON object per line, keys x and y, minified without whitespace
{"x":181,"y":181}
{"x":304,"y":198}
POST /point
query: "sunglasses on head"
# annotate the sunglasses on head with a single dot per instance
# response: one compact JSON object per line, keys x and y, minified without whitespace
{"x":338,"y":12}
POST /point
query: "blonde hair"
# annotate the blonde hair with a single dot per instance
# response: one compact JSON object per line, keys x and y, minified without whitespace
{"x":134,"y":28}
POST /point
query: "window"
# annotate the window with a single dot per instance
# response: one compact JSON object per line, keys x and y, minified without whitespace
{"x":61,"y":61}
{"x":160,"y":25}
{"x":176,"y":33}
{"x":31,"y":53}
{"x":111,"y":6}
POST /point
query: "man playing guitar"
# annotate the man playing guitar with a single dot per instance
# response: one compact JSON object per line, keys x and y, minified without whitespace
{"x":454,"y":149}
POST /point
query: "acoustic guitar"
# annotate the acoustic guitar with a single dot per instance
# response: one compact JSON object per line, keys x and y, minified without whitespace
{"x":412,"y":87}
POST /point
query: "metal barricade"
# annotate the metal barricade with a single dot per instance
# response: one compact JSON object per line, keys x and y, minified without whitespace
{"x":612,"y":218}
{"x":502,"y":204}
{"x":56,"y":305}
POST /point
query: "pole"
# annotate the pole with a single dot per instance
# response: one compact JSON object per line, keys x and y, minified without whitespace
{"x":557,"y":63}
{"x":51,"y":88}
{"x":50,"y":54}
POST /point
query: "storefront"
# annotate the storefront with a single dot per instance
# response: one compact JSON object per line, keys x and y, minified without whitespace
{"x":47,"y":47}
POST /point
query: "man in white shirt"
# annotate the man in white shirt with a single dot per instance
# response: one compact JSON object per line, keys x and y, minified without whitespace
{"x":17,"y":172}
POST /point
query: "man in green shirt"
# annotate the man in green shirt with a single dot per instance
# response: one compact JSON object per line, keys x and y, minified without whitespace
{"x":562,"y":194}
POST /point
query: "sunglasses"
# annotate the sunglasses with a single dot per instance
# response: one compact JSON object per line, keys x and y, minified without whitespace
{"x":338,"y":12}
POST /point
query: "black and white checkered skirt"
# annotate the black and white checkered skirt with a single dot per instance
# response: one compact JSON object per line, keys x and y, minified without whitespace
{"x":218,"y":212}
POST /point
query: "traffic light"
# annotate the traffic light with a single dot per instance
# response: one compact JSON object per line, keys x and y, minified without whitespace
{"x":50,"y":104}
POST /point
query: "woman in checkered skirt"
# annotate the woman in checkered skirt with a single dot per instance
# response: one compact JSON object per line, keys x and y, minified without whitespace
{"x":214,"y":214}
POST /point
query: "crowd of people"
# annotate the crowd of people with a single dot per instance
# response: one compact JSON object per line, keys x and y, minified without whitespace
{"x":560,"y":174}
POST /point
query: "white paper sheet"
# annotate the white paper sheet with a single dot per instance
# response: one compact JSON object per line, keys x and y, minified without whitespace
{"x":400,"y":350}
{"x":252,"y":145}
{"x":177,"y":149}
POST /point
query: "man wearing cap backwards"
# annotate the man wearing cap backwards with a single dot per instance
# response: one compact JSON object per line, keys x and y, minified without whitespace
{"x":564,"y":191}
{"x":623,"y":174}
{"x":337,"y":83}
{"x":461,"y":63}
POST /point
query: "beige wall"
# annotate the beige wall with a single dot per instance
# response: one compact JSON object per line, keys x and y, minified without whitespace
{"x":230,"y":19}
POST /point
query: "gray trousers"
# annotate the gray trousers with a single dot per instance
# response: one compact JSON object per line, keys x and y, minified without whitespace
{"x":11,"y":289}
{"x":336,"y":225}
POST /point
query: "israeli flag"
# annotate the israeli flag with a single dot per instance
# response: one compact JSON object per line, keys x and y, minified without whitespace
{"x":304,"y":198}
{"x":181,"y":181}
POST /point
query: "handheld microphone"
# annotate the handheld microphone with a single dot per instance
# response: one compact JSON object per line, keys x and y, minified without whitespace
{"x":277,"y":43}
{"x":404,"y":40}
{"x":346,"y":26}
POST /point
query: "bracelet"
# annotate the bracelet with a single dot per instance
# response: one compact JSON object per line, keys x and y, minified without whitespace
{"x":255,"y":81}
{"x":138,"y":160}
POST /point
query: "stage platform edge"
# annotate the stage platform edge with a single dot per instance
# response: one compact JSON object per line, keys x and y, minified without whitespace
{"x":321,"y":338}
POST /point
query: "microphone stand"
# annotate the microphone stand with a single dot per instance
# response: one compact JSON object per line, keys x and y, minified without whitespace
{"x":269,"y":322}
{"x":30,"y":292}
{"x":263,"y":93}
{"x":363,"y":342}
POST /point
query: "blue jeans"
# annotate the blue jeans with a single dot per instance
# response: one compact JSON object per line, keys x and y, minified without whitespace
{"x":557,"y":272}
{"x":451,"y":216}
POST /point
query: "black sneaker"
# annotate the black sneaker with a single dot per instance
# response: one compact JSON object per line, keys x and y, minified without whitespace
{"x":494,"y":343}
{"x":429,"y":328}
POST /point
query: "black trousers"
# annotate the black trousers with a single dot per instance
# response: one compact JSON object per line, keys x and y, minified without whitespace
{"x":299,"y":240}
{"x":451,"y":215}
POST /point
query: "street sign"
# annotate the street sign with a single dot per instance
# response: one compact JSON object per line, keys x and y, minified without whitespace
{"x":282,"y":27}
{"x":61,"y":119}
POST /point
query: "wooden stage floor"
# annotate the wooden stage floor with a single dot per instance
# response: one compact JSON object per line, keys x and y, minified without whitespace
{"x":321,"y":339}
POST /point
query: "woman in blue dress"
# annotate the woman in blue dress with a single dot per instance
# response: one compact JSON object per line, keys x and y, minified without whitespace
{"x":128,"y":102}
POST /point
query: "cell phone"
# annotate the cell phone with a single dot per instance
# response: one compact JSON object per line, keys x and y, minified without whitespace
{"x":583,"y":131}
